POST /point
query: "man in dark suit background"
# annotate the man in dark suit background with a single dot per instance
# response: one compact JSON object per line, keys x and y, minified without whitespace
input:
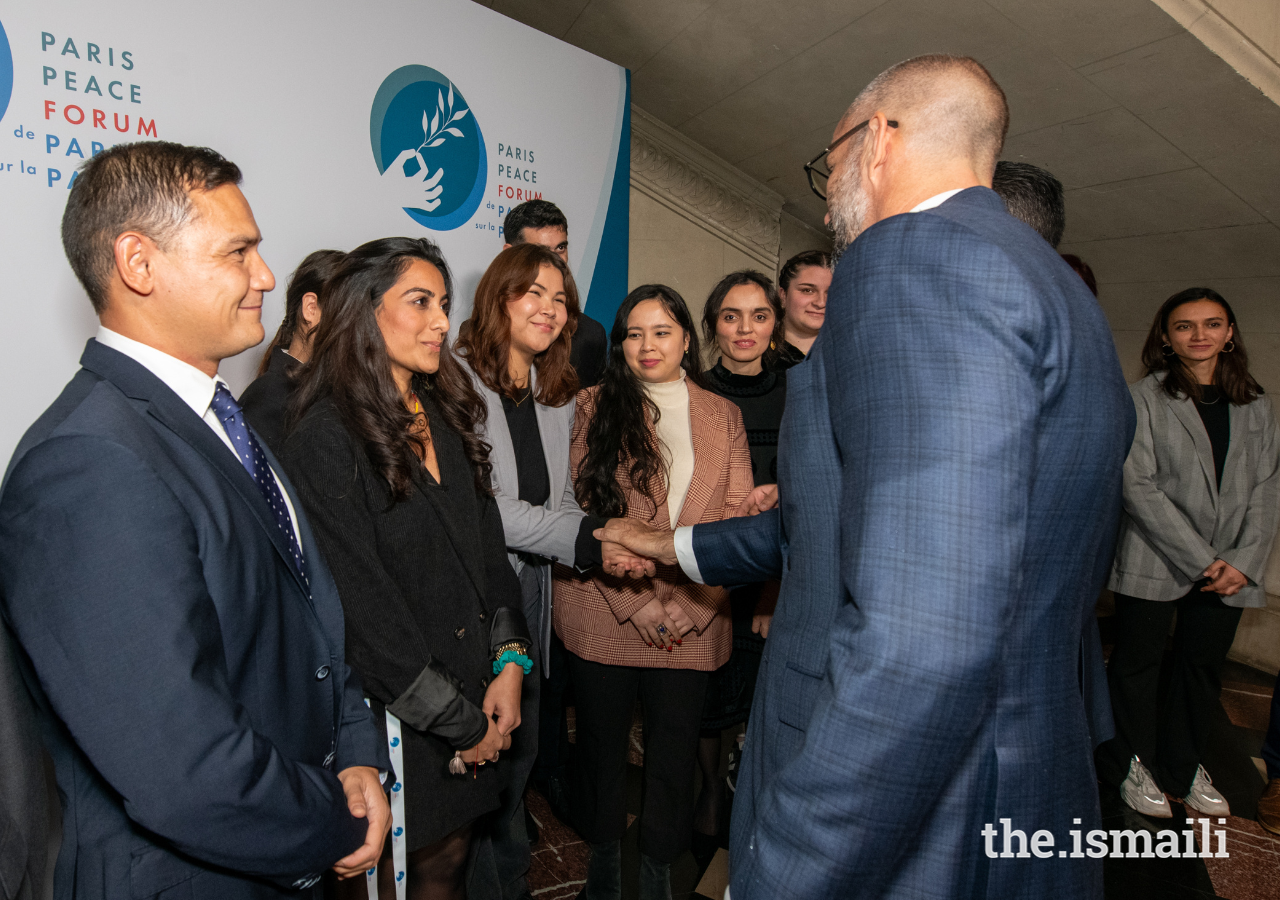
{"x":179,"y":629}
{"x":949,"y":479}
{"x":541,"y":222}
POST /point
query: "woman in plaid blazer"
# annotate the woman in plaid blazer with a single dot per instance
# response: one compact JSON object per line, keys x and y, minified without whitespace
{"x":648,"y":442}
{"x":1201,"y":505}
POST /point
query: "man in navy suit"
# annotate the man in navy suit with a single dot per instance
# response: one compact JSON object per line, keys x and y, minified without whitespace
{"x":949,"y":474}
{"x":178,"y":627}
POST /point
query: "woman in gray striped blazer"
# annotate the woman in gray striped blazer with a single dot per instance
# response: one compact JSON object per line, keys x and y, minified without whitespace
{"x":1201,"y":507}
{"x":517,"y":352}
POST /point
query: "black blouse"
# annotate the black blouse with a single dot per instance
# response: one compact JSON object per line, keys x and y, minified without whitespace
{"x":526,"y":440}
{"x":762,"y":399}
{"x":1215,"y":412}
{"x":788,"y":355}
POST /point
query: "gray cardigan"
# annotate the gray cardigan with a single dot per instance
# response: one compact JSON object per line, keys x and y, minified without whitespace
{"x":550,"y":530}
{"x":1176,"y":520}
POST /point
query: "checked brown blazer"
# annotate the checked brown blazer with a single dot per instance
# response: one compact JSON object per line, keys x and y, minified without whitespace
{"x":591,"y":610}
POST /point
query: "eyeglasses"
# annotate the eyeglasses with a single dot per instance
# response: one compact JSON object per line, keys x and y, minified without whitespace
{"x":817,"y":168}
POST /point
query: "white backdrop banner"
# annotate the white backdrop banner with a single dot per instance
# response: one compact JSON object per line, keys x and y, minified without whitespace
{"x":350,"y":122}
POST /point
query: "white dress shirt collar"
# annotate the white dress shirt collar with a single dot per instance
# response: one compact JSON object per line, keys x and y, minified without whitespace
{"x":189,"y":383}
{"x":936,"y":200}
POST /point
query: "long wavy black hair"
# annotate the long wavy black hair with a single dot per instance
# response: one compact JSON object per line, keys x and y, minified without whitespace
{"x":620,"y":432}
{"x":1231,"y":375}
{"x":349,"y":364}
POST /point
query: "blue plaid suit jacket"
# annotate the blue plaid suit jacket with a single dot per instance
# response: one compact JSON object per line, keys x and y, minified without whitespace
{"x":950,"y":474}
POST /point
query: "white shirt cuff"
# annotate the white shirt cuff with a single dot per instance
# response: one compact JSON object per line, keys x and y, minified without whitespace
{"x":684,"y":553}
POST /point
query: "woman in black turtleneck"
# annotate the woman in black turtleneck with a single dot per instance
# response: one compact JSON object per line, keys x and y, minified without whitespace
{"x":743,"y":323}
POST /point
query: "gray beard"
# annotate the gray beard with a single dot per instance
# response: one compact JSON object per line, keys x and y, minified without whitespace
{"x":849,"y":209}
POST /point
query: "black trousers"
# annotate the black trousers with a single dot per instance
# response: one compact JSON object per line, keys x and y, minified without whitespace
{"x":672,"y":701}
{"x":553,"y":741}
{"x":1168,"y":737}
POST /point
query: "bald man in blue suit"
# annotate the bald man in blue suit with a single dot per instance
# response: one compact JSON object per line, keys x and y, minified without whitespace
{"x":949,"y":473}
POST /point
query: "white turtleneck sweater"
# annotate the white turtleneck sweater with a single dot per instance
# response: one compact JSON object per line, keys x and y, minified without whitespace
{"x":675,"y":439}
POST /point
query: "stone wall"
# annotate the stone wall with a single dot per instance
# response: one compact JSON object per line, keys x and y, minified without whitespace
{"x":695,"y":218}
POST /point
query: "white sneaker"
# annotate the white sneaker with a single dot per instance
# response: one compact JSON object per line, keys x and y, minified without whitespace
{"x":1204,"y":797}
{"x":1139,"y":791}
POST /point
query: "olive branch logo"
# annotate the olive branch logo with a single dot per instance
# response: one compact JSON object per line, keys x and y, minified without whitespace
{"x":437,"y":127}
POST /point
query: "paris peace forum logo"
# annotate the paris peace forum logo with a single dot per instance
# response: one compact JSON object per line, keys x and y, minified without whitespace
{"x":6,"y":72}
{"x":428,"y":148}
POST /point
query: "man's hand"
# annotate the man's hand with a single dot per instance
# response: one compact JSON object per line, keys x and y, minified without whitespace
{"x":620,"y":562}
{"x":1224,"y":578}
{"x":487,"y":750}
{"x":365,"y":800}
{"x":649,"y":619}
{"x":641,"y":539}
{"x":676,"y":613}
{"x":761,"y":499}
{"x":503,"y":698}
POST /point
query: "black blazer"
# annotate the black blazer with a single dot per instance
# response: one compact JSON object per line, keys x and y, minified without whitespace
{"x":191,"y":689}
{"x":428,"y":595}
{"x":265,"y":402}
{"x":589,"y":351}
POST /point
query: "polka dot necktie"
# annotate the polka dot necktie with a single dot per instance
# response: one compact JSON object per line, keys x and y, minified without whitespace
{"x":250,"y":454}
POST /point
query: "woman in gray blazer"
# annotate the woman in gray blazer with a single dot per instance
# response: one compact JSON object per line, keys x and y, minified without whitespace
{"x":517,"y":351}
{"x":1201,"y":506}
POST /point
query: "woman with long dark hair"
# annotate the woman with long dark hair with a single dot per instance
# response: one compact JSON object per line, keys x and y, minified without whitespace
{"x":265,"y":402}
{"x":523,"y":319}
{"x":742,"y":323}
{"x":803,"y":282}
{"x":385,"y":454}
{"x":1201,"y":507}
{"x":649,"y":442}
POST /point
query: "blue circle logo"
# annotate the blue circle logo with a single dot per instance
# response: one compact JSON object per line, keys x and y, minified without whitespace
{"x":428,"y":148}
{"x":6,"y":72}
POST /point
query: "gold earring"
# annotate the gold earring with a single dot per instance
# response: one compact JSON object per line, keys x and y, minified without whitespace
{"x":1233,"y":347}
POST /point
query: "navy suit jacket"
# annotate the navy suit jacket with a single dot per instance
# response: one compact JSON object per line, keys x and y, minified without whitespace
{"x":191,"y":689}
{"x":949,"y":472}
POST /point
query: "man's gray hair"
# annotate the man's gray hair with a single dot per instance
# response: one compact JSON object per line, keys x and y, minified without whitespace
{"x":946,"y":105}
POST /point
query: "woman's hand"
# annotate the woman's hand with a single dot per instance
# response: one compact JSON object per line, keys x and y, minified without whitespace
{"x":620,"y":562}
{"x":503,"y":698}
{"x":649,"y":619}
{"x":487,"y":750}
{"x":1224,"y":578}
{"x":676,"y":613}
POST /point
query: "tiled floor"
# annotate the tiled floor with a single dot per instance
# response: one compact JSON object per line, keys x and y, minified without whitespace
{"x":1251,"y":872}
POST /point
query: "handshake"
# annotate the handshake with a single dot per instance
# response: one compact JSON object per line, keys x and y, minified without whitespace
{"x":631,"y":548}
